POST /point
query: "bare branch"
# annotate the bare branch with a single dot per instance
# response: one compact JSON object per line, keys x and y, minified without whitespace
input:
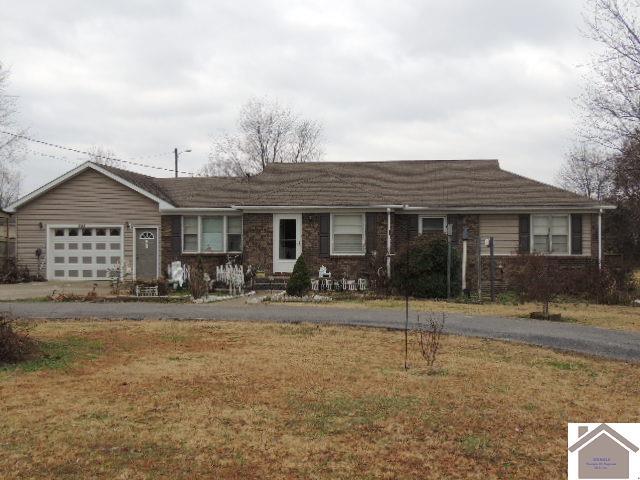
{"x":267,"y":133}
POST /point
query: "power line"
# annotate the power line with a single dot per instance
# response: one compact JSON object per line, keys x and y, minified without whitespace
{"x":55,"y":157}
{"x":91,"y":155}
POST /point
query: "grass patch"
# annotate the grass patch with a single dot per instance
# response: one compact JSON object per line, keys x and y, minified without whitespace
{"x":340,"y":414}
{"x":616,"y":317}
{"x":58,"y":354}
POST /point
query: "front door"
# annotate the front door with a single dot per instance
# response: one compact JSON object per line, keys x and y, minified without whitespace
{"x":287,"y":241}
{"x":146,"y":253}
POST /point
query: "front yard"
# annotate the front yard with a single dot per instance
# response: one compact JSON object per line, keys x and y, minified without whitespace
{"x":253,"y":400}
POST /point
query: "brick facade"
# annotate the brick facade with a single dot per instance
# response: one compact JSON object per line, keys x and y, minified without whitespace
{"x":257,"y":240}
{"x":170,"y":250}
{"x":351,"y":266}
{"x":258,"y":248}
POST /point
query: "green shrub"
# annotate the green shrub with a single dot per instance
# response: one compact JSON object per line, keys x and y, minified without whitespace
{"x":421,"y":269}
{"x":300,"y":281}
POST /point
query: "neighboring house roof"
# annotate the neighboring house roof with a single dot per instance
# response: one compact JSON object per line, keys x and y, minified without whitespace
{"x":601,"y":429}
{"x":420,"y":184}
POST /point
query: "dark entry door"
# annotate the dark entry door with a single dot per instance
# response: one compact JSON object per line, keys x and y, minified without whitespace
{"x":146,"y":253}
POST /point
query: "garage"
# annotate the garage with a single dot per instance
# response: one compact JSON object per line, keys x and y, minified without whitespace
{"x":83,"y":252}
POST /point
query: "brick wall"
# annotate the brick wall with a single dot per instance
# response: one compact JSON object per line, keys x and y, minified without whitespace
{"x":350,"y":266}
{"x":170,"y":252}
{"x":257,"y":240}
{"x":504,"y":266}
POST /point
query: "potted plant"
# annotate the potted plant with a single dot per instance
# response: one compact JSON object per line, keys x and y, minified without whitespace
{"x":260,"y":272}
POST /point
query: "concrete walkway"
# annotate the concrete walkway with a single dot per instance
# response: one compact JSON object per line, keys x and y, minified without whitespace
{"x":612,"y":344}
{"x":20,"y":291}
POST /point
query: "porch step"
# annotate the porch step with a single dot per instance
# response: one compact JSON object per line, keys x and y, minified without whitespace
{"x":273,"y":283}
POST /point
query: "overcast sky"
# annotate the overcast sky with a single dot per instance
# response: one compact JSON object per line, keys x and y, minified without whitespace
{"x":421,"y":79}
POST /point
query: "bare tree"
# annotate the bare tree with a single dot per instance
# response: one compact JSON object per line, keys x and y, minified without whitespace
{"x":267,"y":133}
{"x":103,"y":156}
{"x":11,"y":147}
{"x":612,"y":98}
{"x":589,"y":172}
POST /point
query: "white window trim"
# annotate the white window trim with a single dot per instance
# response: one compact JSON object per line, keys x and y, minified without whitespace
{"x":225,"y":233}
{"x":444,"y":222}
{"x":569,"y":236}
{"x":364,"y":235}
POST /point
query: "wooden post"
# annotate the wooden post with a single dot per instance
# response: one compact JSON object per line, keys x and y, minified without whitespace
{"x":492,"y":270}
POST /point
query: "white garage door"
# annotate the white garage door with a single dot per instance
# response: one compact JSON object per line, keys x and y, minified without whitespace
{"x":83,"y":253}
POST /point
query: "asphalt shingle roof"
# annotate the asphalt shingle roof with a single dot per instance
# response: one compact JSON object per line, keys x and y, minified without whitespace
{"x":417,"y":183}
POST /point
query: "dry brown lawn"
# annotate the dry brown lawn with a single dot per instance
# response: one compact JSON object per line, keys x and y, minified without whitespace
{"x":605,"y":316}
{"x":160,"y":399}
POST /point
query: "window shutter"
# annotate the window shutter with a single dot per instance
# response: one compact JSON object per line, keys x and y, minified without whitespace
{"x":412,"y":227}
{"x":325,"y":232}
{"x":576,"y":233}
{"x":371,"y":229}
{"x":176,"y":236}
{"x":524,"y":234}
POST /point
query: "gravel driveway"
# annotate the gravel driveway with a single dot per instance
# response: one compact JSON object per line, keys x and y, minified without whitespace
{"x":600,"y":342}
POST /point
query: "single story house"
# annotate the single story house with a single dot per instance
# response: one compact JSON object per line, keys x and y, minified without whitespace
{"x":350,"y":217}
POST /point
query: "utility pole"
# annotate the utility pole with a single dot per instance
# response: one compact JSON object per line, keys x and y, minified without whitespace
{"x":175,"y":154}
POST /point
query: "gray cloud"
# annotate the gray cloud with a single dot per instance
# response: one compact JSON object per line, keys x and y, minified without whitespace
{"x":389,"y":80}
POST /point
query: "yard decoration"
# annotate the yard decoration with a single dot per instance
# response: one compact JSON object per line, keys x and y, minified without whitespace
{"x":300,"y":281}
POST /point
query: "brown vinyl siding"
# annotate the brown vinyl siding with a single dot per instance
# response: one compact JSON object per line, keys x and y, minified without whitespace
{"x":88,"y":198}
{"x":504,"y":230}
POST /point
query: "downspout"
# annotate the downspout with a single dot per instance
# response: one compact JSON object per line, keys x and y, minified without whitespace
{"x":388,"y":242}
{"x":600,"y":239}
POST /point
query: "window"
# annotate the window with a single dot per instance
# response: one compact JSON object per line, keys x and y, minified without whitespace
{"x":59,"y":232}
{"x":347,"y":234}
{"x":114,"y":232}
{"x":550,"y":233}
{"x":73,"y":232}
{"x":234,"y":234}
{"x":87,"y":232}
{"x":211,"y":234}
{"x":190,"y":234}
{"x":432,"y":224}
{"x":100,"y":232}
{"x":147,"y":236}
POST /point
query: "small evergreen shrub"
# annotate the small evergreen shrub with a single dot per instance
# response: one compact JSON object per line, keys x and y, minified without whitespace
{"x":421,"y":269}
{"x":300,"y":281}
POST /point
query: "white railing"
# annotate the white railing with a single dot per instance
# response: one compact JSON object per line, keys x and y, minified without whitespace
{"x":232,"y":276}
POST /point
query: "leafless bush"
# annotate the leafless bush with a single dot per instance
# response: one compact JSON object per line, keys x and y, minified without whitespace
{"x":15,"y":345}
{"x":429,"y":332}
{"x":12,"y":272}
{"x":197,"y":282}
